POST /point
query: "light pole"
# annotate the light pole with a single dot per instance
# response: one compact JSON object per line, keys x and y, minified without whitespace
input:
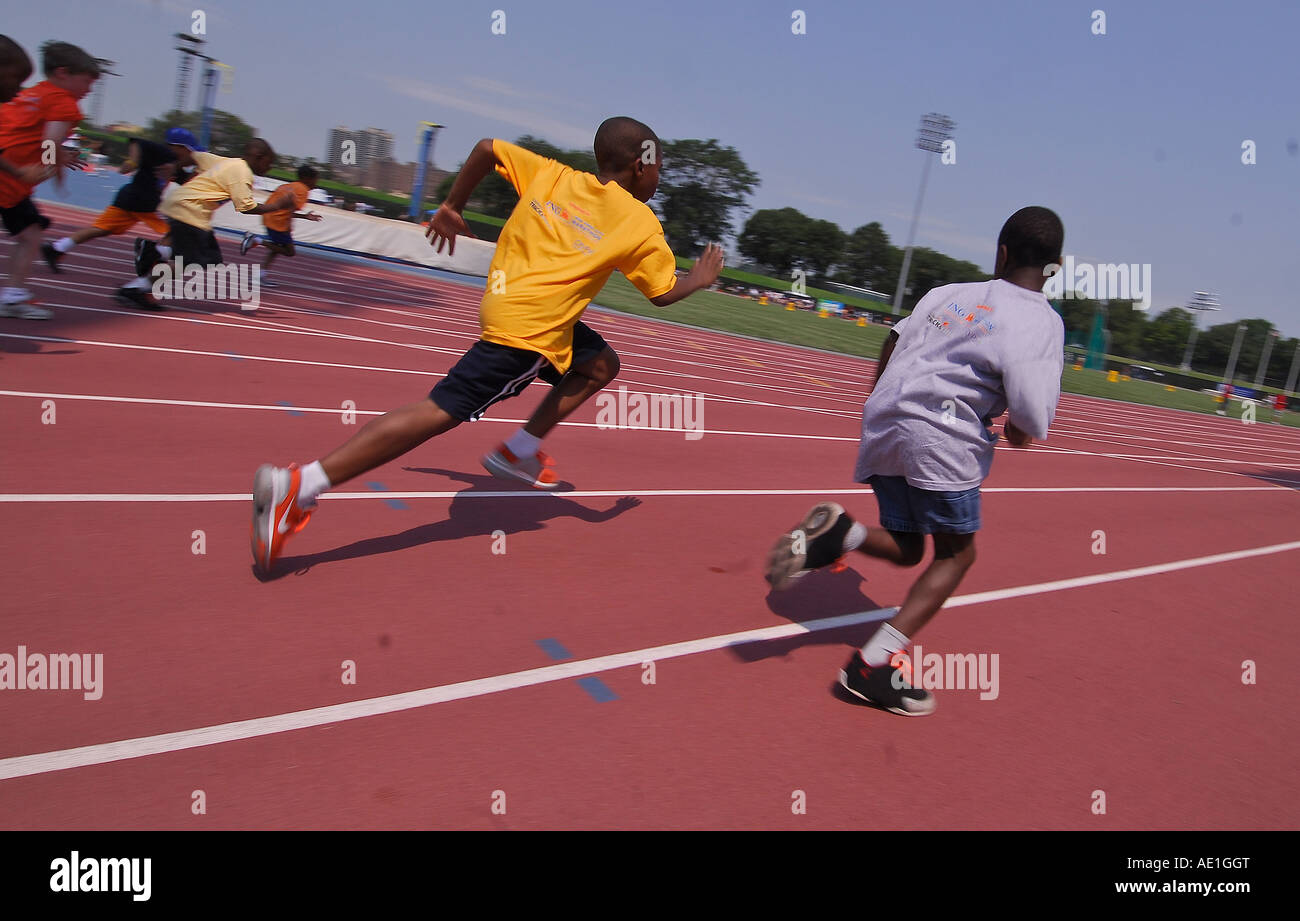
{"x":1263,"y":361}
{"x":934,"y":131}
{"x":1295,"y":370}
{"x":188,"y":45}
{"x":1201,"y":301}
{"x":426,"y":152}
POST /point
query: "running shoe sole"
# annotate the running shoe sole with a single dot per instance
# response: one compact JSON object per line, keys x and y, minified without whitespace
{"x":784,"y":563}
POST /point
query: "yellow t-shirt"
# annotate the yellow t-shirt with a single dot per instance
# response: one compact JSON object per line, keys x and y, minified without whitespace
{"x":565,"y":238}
{"x":220,"y":179}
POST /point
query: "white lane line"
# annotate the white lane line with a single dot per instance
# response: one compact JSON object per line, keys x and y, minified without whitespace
{"x":595,"y":493}
{"x":372,"y":412}
{"x":105,"y":753}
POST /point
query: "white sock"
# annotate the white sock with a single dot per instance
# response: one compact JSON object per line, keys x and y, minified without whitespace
{"x":857,"y":534}
{"x":140,"y":284}
{"x":13,"y":295}
{"x":882,"y":646}
{"x":313,"y":483}
{"x":522,"y":445}
{"x":164,"y":251}
{"x":64,"y":245}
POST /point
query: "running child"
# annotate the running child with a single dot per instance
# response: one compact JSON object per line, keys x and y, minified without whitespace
{"x":188,"y":209}
{"x":965,"y":355}
{"x":567,"y":235}
{"x":33,"y":127}
{"x":279,"y":238}
{"x":153,"y":166}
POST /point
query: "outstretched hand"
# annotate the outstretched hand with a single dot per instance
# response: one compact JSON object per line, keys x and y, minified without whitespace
{"x":709,"y":265}
{"x":447,"y":224}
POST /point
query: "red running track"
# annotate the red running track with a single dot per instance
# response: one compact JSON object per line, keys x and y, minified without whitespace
{"x":1127,"y":681}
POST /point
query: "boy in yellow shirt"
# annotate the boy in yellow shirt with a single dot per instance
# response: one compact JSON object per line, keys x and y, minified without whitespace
{"x":188,"y":209}
{"x":567,"y":235}
{"x":279,"y":236}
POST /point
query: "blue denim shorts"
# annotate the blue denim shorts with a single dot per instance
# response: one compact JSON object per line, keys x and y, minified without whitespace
{"x":904,"y":507}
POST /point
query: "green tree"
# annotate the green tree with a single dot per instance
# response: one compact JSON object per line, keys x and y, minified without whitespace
{"x":931,"y":269}
{"x":1164,"y":341}
{"x":701,"y":186}
{"x":823,"y":242}
{"x":869,"y":260}
{"x":774,"y":238}
{"x":229,"y":132}
{"x":1127,"y":326}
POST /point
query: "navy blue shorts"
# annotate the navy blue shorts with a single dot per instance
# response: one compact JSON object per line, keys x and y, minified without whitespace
{"x":489,"y":373}
{"x":280,"y":238}
{"x":904,"y":507}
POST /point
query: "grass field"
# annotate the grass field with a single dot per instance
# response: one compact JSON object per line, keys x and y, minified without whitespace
{"x":725,"y":312}
{"x":741,"y":315}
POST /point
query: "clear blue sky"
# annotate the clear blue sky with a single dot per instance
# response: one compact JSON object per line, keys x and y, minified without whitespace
{"x":1134,"y":137}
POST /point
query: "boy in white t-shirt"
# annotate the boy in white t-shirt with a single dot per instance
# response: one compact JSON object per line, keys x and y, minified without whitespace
{"x":966,"y":354}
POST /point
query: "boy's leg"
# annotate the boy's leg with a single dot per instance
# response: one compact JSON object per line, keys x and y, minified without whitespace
{"x":26,"y":224}
{"x":954,"y":554}
{"x":580,"y":384}
{"x":283,"y":498}
{"x":595,"y":364}
{"x":878,"y":671}
{"x":386,"y":438}
{"x":139,"y":291}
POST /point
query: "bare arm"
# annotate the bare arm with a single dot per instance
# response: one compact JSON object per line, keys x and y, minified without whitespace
{"x":447,"y":223}
{"x":279,"y":201}
{"x":703,"y":274}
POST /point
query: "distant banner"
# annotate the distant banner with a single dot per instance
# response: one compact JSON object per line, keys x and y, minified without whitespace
{"x":369,"y":236}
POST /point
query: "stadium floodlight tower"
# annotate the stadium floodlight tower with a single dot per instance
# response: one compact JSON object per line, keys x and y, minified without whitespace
{"x":935,"y":130}
{"x":188,"y":46}
{"x":1201,"y":302}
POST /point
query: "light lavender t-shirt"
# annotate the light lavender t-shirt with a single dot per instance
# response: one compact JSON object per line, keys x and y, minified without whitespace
{"x":966,"y":354}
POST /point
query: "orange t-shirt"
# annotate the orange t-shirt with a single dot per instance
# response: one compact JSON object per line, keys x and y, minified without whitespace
{"x":283,"y":220}
{"x":22,"y":128}
{"x":567,"y":235}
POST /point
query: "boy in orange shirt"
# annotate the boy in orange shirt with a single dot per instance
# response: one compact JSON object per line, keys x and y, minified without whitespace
{"x":33,"y":127}
{"x":279,"y":237}
{"x":567,"y":235}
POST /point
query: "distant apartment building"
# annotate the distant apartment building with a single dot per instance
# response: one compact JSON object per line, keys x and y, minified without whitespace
{"x":374,"y":166}
{"x":359,"y":148}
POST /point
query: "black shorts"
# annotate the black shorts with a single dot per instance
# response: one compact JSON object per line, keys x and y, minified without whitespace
{"x":21,"y":216}
{"x":193,"y":244}
{"x":489,"y":373}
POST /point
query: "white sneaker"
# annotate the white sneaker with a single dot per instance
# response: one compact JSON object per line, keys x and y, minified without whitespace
{"x":24,"y":309}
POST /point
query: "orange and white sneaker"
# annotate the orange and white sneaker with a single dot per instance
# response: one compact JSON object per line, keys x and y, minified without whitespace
{"x":537,"y":471}
{"x":276,"y":512}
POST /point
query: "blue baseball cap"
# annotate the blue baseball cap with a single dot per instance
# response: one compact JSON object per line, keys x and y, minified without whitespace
{"x":184,"y":139}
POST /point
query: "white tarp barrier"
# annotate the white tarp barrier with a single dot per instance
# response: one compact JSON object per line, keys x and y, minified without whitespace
{"x":374,"y":236}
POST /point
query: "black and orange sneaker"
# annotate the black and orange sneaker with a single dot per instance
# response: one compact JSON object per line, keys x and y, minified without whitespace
{"x":815,"y":542}
{"x":135,"y":297}
{"x":887,"y":686}
{"x":52,"y":257}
